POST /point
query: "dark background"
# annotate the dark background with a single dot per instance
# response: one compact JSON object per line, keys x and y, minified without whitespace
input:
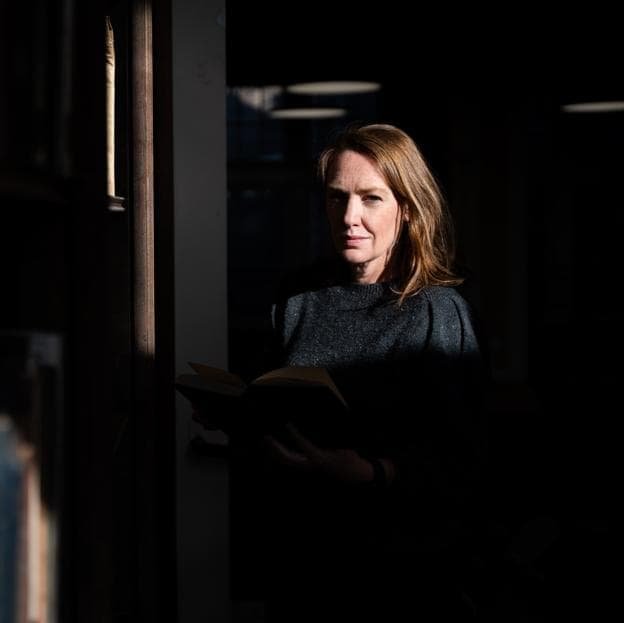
{"x":535,"y":194}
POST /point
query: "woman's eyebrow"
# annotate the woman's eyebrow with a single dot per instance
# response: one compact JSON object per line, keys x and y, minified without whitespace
{"x":359,"y":191}
{"x":335,"y":190}
{"x":368,"y":191}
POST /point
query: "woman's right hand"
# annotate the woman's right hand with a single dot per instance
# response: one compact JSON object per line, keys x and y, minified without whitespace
{"x":205,"y":417}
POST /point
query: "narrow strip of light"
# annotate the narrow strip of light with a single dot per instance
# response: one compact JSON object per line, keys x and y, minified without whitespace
{"x":333,"y":87}
{"x":595,"y":107}
{"x":307,"y":113}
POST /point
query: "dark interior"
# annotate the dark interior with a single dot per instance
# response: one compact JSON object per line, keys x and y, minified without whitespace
{"x":536,"y":197}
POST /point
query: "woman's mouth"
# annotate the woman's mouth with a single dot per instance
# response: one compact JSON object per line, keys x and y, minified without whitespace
{"x":354,"y":241}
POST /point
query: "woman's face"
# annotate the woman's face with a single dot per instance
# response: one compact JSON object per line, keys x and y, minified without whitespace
{"x":364,"y":215}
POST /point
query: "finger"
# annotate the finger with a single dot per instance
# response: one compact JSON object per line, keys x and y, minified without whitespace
{"x":283,"y":454}
{"x":203,"y":421}
{"x":303,"y":443}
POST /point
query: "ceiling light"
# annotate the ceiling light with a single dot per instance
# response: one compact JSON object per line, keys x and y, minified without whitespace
{"x":307,"y":113}
{"x":334,"y":87}
{"x":585,"y":107}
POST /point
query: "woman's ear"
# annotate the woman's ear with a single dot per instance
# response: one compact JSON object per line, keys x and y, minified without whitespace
{"x":406,"y":214}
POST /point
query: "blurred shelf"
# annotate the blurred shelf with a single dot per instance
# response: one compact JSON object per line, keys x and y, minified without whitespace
{"x":31,"y":187}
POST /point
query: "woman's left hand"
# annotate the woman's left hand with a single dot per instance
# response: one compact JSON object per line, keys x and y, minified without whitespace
{"x":342,"y":464}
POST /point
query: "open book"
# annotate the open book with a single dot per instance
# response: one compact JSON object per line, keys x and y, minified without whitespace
{"x":304,"y":396}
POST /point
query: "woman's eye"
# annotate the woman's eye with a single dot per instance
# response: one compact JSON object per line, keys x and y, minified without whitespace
{"x":335,"y":199}
{"x":372,"y":198}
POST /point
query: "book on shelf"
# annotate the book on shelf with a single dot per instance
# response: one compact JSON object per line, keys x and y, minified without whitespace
{"x":307,"y":397}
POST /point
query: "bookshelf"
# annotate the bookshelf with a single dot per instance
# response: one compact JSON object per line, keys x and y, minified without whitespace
{"x":70,"y":254}
{"x":54,"y":326}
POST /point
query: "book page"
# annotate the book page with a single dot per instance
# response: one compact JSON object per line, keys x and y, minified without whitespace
{"x":300,"y":375}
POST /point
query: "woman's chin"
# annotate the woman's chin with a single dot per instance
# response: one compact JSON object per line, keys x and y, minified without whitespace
{"x":353,"y":256}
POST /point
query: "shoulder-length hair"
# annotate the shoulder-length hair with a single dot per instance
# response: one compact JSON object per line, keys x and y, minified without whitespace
{"x":424,"y":252}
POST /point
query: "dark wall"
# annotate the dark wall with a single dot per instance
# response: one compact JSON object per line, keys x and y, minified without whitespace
{"x":534,"y":193}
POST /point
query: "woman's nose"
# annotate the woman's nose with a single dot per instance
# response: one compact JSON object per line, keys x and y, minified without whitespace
{"x":352,"y":213}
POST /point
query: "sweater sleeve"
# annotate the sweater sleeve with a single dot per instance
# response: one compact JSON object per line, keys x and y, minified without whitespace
{"x":434,"y":425}
{"x":444,"y":456}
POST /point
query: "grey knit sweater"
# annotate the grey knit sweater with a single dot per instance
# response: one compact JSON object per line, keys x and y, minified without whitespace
{"x":361,"y":325}
{"x":412,"y":375}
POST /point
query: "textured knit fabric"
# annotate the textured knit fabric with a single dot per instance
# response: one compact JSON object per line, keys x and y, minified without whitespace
{"x":412,"y":376}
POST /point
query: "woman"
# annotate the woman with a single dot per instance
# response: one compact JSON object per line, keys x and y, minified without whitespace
{"x":388,"y":308}
{"x":371,"y":530}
